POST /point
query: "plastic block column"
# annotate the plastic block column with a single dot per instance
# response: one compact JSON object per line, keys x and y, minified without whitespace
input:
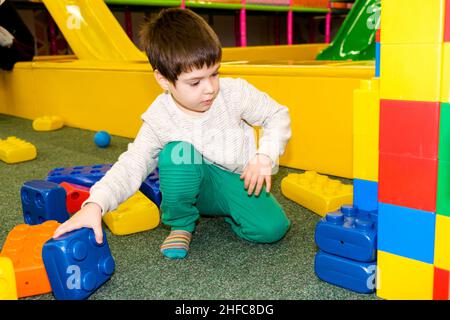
{"x":413,"y":164}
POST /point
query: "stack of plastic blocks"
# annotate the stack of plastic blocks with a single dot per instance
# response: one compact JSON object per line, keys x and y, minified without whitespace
{"x":414,"y":163}
{"x":87,"y":176}
{"x":316,"y":192}
{"x":136,"y":214}
{"x":47,"y":123}
{"x":13,"y":150}
{"x":347,"y":241}
{"x":23,"y":246}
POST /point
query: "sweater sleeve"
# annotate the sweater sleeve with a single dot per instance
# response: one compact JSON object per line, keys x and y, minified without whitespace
{"x":127,"y":174}
{"x":258,"y":108}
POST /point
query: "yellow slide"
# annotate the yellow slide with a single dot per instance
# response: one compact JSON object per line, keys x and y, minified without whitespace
{"x":92,"y":30}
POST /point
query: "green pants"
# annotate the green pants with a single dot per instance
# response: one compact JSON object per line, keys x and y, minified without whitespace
{"x":191,"y":186}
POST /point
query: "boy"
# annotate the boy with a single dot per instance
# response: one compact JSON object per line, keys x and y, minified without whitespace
{"x":197,"y":134}
{"x":16,"y":41}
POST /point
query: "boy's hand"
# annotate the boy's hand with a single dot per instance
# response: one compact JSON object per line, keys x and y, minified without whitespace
{"x":258,"y":170}
{"x":89,"y":216}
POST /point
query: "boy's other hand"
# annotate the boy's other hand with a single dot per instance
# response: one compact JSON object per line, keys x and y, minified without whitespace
{"x":258,"y":170}
{"x":89,"y":216}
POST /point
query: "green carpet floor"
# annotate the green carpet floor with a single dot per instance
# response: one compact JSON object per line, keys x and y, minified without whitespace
{"x":219,"y":266}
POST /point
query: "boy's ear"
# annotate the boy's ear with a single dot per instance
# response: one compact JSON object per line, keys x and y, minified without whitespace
{"x":162,"y":81}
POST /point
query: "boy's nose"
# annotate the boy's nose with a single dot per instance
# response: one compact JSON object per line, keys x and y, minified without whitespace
{"x":209,"y":88}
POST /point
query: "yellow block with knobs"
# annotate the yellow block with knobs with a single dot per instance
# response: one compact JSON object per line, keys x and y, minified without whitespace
{"x":316,"y":192}
{"x":136,"y":214}
{"x":13,"y":150}
{"x":47,"y":123}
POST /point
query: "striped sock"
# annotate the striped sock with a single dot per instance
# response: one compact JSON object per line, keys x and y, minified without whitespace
{"x":176,"y":245}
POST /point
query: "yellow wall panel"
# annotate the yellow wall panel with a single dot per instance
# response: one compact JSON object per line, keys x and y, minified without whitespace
{"x":322,"y":138}
{"x":400,"y":278}
{"x":411,"y":72}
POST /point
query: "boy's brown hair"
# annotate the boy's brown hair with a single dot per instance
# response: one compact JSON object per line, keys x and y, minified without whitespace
{"x":178,"y":40}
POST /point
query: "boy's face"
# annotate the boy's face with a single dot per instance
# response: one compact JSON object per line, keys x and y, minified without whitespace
{"x":195,"y":91}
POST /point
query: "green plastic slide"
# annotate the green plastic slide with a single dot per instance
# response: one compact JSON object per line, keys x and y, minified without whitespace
{"x":355,"y":40}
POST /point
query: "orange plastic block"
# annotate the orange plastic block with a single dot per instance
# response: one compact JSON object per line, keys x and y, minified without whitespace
{"x":76,"y":195}
{"x":47,"y":123}
{"x":316,"y":192}
{"x":23,"y":246}
{"x":14,"y":150}
{"x":8,"y":289}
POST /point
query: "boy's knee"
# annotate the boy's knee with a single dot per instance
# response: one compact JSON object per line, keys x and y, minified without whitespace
{"x":179,"y":153}
{"x":271,"y":231}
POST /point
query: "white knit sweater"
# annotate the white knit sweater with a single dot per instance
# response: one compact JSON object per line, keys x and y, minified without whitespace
{"x":222,"y":135}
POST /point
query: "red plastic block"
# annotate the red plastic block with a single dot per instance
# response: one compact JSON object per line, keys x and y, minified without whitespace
{"x":441,"y":290}
{"x":76,"y":195}
{"x":408,"y":182}
{"x":447,"y":22}
{"x":23,"y":246}
{"x":409,"y":128}
{"x":378,"y":36}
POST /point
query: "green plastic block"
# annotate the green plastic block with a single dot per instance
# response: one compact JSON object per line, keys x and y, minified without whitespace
{"x":444,"y":132}
{"x":443,"y":189}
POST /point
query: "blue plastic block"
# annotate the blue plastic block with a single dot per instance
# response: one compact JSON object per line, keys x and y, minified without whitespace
{"x":83,"y":175}
{"x":150,"y":187}
{"x":365,"y":194}
{"x":377,"y":59}
{"x":43,"y":200}
{"x":76,"y":265}
{"x":349,"y":233}
{"x":406,"y":232}
{"x":346,"y":273}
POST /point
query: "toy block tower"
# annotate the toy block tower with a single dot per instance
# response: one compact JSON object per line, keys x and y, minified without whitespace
{"x":366,"y":110}
{"x":414,"y":164}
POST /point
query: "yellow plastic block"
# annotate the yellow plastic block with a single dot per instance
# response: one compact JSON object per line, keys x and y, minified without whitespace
{"x":136,"y":214}
{"x":442,"y":242}
{"x":411,"y":72}
{"x":14,"y":150}
{"x":365,"y":158}
{"x":400,"y":278}
{"x":47,"y":123}
{"x":445,"y":87}
{"x":366,"y":108}
{"x":412,"y":21}
{"x":316,"y":192}
{"x":8,"y":289}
